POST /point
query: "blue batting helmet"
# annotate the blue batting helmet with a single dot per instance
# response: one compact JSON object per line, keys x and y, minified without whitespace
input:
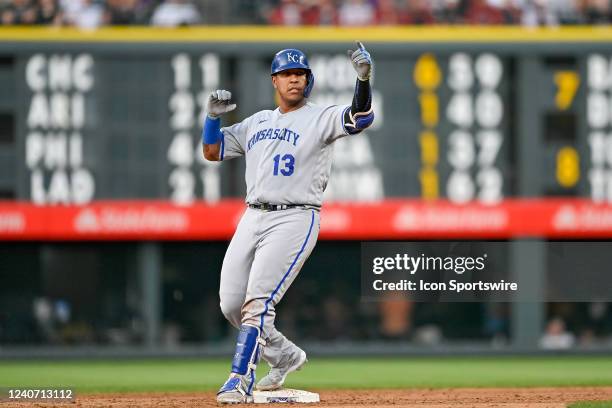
{"x":293,"y":59}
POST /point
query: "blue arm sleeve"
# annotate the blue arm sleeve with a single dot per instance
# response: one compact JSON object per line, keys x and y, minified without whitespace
{"x":211,"y":133}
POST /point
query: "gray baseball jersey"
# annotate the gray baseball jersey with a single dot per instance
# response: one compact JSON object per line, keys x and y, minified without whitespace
{"x":288,"y":161}
{"x":288,"y":155}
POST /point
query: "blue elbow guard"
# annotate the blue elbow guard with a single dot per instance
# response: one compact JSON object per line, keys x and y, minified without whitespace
{"x":359,"y":121}
{"x":363,"y":119}
{"x":211,"y":134}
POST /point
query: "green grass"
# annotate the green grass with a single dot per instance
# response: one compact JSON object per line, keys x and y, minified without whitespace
{"x":320,"y":373}
{"x":591,"y":404}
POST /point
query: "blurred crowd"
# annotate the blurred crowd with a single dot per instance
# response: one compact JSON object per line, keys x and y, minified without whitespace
{"x":171,"y":13}
{"x":96,"y":13}
{"x":420,"y":12}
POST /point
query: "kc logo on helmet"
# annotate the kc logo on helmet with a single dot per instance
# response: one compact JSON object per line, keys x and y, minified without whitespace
{"x":293,"y":57}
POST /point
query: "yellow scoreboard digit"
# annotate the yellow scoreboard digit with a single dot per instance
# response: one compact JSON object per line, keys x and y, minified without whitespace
{"x":427,"y":77}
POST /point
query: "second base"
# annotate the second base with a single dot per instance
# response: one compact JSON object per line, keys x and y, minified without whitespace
{"x":286,"y":395}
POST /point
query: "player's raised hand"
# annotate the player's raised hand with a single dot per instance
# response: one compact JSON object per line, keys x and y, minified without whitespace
{"x":361,"y":60}
{"x":219,"y":103}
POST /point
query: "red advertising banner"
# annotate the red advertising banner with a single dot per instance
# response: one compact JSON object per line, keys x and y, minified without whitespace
{"x":388,"y":219}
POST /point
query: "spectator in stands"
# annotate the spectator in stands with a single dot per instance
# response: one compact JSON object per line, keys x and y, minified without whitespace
{"x":19,"y":12}
{"x":287,"y":13}
{"x":234,"y":12}
{"x":450,"y":11}
{"x":596,"y":11}
{"x":328,"y":13}
{"x":49,"y":13}
{"x":511,"y":12}
{"x":124,"y":12}
{"x":170,"y":13}
{"x":396,"y":317}
{"x":566,"y":11}
{"x":556,"y":337}
{"x":86,"y":14}
{"x":416,"y":12}
{"x":594,"y":322}
{"x":320,"y":12}
{"x":356,"y":13}
{"x":387,"y":13}
{"x":481,"y":12}
{"x":537,"y":13}
{"x":69,"y":9}
{"x":174,"y":13}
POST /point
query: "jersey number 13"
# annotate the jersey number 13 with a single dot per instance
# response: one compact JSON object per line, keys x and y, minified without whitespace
{"x":284,"y":164}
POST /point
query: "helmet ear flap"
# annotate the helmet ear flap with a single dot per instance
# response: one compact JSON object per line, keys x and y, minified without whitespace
{"x":309,"y":84}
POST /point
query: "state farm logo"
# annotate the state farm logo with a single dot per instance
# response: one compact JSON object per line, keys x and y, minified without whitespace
{"x":406,"y":219}
{"x":12,"y":222}
{"x":148,"y":219}
{"x":565,"y":218}
{"x":442,"y":219}
{"x":584,"y":218}
{"x":87,"y":221}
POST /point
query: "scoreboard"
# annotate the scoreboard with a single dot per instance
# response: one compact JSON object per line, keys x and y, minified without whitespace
{"x":463,"y":133}
{"x":464,"y":116}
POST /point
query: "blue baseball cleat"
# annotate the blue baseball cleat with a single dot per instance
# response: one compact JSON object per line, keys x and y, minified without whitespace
{"x":236,"y":390}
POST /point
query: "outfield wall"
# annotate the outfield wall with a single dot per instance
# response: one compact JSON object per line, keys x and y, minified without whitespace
{"x":113,"y":228}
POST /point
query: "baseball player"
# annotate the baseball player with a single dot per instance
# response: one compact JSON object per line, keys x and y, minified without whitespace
{"x":288,"y":153}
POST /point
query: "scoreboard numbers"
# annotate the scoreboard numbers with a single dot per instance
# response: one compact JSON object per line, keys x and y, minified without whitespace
{"x":83,"y":117}
{"x":187,"y":111}
{"x":473,"y":115}
{"x":427,"y":77}
{"x":599,"y":120}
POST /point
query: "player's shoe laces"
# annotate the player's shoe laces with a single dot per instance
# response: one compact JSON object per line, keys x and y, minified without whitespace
{"x":235,"y":390}
{"x":277,"y":375}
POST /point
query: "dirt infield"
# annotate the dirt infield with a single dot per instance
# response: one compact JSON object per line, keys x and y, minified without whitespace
{"x":421,"y":398}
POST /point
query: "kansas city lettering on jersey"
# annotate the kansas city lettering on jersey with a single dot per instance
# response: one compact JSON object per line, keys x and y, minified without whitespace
{"x":272,"y":134}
